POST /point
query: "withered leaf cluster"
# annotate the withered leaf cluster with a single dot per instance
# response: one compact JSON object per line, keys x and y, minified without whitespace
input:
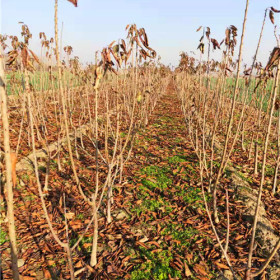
{"x":271,"y":14}
{"x":68,"y":50}
{"x":119,"y":53}
{"x":74,"y":2}
{"x":273,"y":59}
{"x":140,"y":37}
{"x":3,"y":39}
{"x":230,"y":39}
{"x":21,"y":55}
{"x":45,"y":43}
{"x":214,"y":42}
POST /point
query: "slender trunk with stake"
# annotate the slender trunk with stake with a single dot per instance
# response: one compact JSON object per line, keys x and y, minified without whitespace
{"x":256,"y":159}
{"x":258,"y":46}
{"x":274,"y":94}
{"x":246,"y":94}
{"x":265,"y":265}
{"x":275,"y":181}
{"x":61,"y":90}
{"x":55,"y":236}
{"x":93,"y":259}
{"x":9,"y":184}
{"x":231,"y":115}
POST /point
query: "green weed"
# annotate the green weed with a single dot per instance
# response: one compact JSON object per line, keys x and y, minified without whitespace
{"x":3,"y":237}
{"x":156,"y":266}
{"x":156,"y":177}
{"x":176,"y":159}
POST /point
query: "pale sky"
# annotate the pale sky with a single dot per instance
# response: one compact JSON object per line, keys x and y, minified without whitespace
{"x":170,"y":25}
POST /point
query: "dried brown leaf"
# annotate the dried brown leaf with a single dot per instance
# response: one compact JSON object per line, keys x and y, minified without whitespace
{"x":221,"y":265}
{"x":271,"y":16}
{"x":24,"y":56}
{"x":35,"y":56}
{"x":47,"y":274}
{"x":187,"y":270}
{"x":227,"y":39}
{"x":74,"y":2}
{"x":215,"y":44}
{"x":208,"y":32}
{"x":273,"y":59}
{"x":201,"y":47}
{"x":275,"y":10}
{"x":200,"y":269}
{"x":123,"y":45}
{"x":110,"y":46}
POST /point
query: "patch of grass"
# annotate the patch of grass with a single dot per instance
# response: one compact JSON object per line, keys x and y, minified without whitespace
{"x":66,"y":161}
{"x":123,"y":134}
{"x":243,"y":177}
{"x":228,"y":172}
{"x":42,"y":168}
{"x":185,"y":236}
{"x":192,"y":196}
{"x":148,"y":138}
{"x":137,"y":141}
{"x":144,"y":191}
{"x":156,"y":266}
{"x":176,"y":159}
{"x":162,"y":124}
{"x":80,"y":216}
{"x":156,"y":177}
{"x":178,"y":140}
{"x":53,"y":164}
{"x":29,"y":197}
{"x":62,"y":261}
{"x":269,"y":170}
{"x":152,"y":205}
{"x":149,"y":184}
{"x":85,"y":240}
{"x":166,"y":119}
{"x":190,"y":171}
{"x":3,"y":237}
{"x":163,"y":132}
{"x":157,"y":125}
{"x":216,"y":164}
{"x":25,"y":177}
{"x":15,"y":78}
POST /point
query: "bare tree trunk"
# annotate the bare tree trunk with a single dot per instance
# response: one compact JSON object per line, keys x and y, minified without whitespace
{"x":229,"y":128}
{"x":67,"y":248}
{"x":275,"y":180}
{"x":272,"y":254}
{"x":274,"y":94}
{"x":9,"y":184}
{"x":62,"y":97}
{"x":277,"y":165}
{"x":256,"y":158}
{"x":93,"y":259}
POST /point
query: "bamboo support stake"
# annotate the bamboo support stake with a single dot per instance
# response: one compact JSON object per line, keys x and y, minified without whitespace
{"x":9,"y":183}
